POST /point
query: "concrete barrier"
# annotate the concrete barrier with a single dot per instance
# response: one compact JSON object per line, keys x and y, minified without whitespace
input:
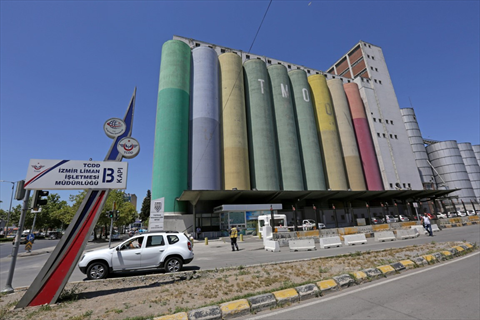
{"x":435,"y":228}
{"x":234,"y":309}
{"x":385,"y":236}
{"x":303,"y":244}
{"x":420,"y":229}
{"x":210,"y":313}
{"x":262,"y":302}
{"x":354,"y":239}
{"x":271,"y":245}
{"x":329,"y":242}
{"x":308,"y":291}
{"x":407,"y":234}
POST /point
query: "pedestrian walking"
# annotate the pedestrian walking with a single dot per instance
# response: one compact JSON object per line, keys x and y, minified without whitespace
{"x":199,"y":232}
{"x":426,"y":224}
{"x":233,"y":238}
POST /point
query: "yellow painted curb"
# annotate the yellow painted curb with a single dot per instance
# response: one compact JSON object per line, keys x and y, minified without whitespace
{"x":447,"y":226}
{"x":327,"y":284}
{"x":350,"y":230}
{"x":284,"y":294}
{"x":386,"y":269}
{"x":459,"y":249}
{"x":429,"y":258}
{"x":176,"y":316}
{"x":235,"y":307}
{"x":446,"y":253}
{"x":468,"y":245}
{"x":380,"y":227}
{"x":360,"y":275}
{"x":409,"y":264}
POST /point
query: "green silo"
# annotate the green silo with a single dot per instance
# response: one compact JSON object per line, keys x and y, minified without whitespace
{"x":307,"y":132}
{"x":261,"y":131}
{"x":170,"y":157}
{"x":290,"y":162}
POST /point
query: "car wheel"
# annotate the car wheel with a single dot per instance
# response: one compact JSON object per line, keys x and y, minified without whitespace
{"x":97,"y":270}
{"x":173,"y":264}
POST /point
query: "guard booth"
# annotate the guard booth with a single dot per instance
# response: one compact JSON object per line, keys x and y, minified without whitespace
{"x":243,"y":216}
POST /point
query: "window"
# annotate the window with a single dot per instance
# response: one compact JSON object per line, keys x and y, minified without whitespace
{"x":155,"y":241}
{"x":197,"y":44}
{"x":348,"y":81}
{"x":384,"y":135}
{"x":391,"y":136}
{"x":409,"y":185}
{"x":269,"y":61}
{"x":396,"y":137}
{"x":386,"y":121}
{"x":378,"y":134}
{"x":369,"y":46}
{"x":368,"y":55}
{"x":391,"y":121}
{"x":374,"y":119}
{"x":391,"y":185}
{"x":404,"y":185}
{"x":308,"y":71}
{"x":380,"y":120}
{"x":289,"y":67}
{"x":380,"y":81}
{"x":222,"y":50}
{"x":247,"y":56}
{"x":172,"y":239}
{"x":373,"y":58}
{"x":375,"y":80}
{"x":371,"y":68}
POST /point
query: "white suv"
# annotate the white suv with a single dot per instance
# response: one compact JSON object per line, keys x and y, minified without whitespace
{"x":168,"y":250}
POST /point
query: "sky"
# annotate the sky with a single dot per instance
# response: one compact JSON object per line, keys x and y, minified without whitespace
{"x":68,"y":66}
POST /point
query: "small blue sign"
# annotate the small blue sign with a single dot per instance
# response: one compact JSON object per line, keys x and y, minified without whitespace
{"x":30,"y":237}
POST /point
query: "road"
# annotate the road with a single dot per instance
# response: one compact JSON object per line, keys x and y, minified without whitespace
{"x":449,"y":290}
{"x":217,"y":254}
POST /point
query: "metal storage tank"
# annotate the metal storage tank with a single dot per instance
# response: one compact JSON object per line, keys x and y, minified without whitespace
{"x":236,"y":172}
{"x":170,"y":157}
{"x":446,"y":159}
{"x":370,"y":165}
{"x":328,"y":132}
{"x":353,"y":164}
{"x":264,"y":174}
{"x":418,"y":146}
{"x":205,"y":113}
{"x":311,"y":154}
{"x":472,"y":166}
{"x":286,"y":127}
{"x":476,"y":149}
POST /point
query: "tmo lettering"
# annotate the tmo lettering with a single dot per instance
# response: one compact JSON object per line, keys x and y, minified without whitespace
{"x":284,"y":90}
{"x":108,"y":175}
{"x":261,"y":84}
{"x":306,"y":96}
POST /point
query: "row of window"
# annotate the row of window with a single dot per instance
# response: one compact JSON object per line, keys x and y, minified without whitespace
{"x":369,"y":56}
{"x":376,"y":69}
{"x":385,"y":135}
{"x":364,"y":44}
{"x":380,"y":120}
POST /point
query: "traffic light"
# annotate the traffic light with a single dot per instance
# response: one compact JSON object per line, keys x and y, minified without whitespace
{"x":37,"y":199}
{"x":110,"y":214}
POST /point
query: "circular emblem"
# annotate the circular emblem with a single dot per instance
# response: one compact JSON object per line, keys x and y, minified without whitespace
{"x":114,"y":127}
{"x":128,"y":147}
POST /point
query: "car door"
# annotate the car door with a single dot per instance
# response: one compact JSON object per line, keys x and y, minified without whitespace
{"x":153,"y":251}
{"x":128,"y":255}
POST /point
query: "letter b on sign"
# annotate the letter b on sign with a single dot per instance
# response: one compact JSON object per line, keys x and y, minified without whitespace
{"x":108,"y":175}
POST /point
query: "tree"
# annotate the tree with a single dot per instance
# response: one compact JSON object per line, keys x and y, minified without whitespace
{"x":145,"y":210}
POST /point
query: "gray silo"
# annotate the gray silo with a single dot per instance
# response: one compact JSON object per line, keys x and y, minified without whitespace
{"x":471,"y":164}
{"x":476,"y":150}
{"x":448,"y":162}
{"x":418,"y":146}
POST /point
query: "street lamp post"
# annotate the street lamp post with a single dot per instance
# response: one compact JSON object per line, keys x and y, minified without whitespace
{"x":10,"y":209}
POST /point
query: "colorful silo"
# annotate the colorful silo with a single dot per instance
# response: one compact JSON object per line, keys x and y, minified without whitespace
{"x":328,"y":132}
{"x":286,"y":127}
{"x":264,"y":173}
{"x":236,"y":174}
{"x":311,"y":154}
{"x":366,"y":148}
{"x":353,"y":164}
{"x":170,"y":159}
{"x":205,"y":113}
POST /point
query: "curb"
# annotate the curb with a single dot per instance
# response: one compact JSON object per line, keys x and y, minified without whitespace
{"x":276,"y":299}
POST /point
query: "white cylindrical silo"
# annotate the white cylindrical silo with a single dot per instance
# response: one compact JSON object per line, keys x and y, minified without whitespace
{"x":476,"y":150}
{"x":448,"y":162}
{"x":205,"y":112}
{"x":471,"y":164}
{"x":418,"y":147}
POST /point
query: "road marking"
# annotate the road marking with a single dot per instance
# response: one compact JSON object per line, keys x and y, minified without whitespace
{"x":321,"y":300}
